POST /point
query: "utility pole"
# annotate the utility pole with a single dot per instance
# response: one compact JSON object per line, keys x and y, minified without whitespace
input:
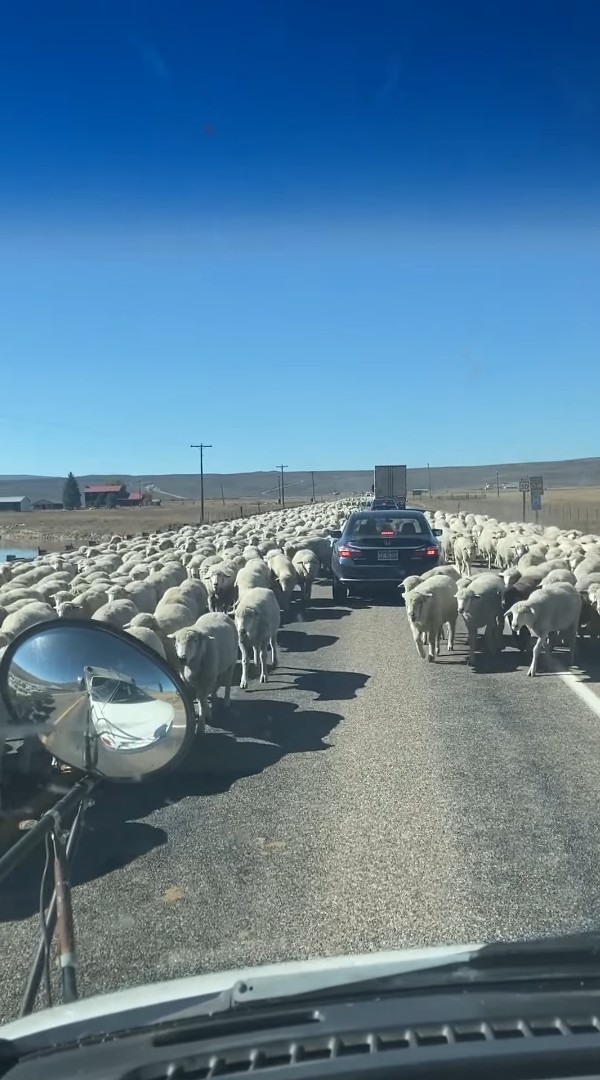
{"x":312,"y":477}
{"x":201,"y":447}
{"x":429,"y":480}
{"x":498,"y":484}
{"x":281,"y":468}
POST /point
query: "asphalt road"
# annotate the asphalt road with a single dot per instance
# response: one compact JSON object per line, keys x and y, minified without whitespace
{"x":364,"y":799}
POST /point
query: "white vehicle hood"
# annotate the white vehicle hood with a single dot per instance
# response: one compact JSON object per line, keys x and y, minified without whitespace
{"x":140,"y":720}
{"x":270,"y":980}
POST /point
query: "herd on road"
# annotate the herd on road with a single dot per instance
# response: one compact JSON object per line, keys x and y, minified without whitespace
{"x":207,"y":597}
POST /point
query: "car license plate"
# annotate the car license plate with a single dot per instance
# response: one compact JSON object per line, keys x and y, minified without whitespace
{"x":388,"y":556}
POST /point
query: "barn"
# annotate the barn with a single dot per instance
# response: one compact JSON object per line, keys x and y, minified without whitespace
{"x":92,"y":493}
{"x":18,"y":504}
{"x":46,"y":504}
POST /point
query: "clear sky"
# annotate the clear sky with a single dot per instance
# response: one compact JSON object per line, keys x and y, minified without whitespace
{"x":317,"y":232}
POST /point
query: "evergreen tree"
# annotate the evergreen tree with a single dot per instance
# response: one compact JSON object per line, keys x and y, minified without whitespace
{"x":111,"y":500}
{"x":71,"y":496}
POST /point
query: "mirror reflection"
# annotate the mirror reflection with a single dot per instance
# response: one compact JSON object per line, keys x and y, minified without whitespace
{"x":96,"y":700}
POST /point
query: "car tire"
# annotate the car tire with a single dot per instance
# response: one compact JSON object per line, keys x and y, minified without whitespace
{"x":339,"y":590}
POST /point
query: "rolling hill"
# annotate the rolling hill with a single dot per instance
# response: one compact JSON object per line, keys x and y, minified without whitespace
{"x":578,"y":472}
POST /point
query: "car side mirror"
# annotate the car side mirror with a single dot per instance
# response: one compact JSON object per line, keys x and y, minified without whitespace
{"x":96,"y":698}
{"x":437,"y":532}
{"x":336,"y":534}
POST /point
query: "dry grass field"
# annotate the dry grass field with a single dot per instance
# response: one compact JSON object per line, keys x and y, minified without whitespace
{"x":53,"y":529}
{"x":575,"y":507}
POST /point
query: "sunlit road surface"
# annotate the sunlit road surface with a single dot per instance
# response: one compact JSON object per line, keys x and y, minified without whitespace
{"x":363,"y":799}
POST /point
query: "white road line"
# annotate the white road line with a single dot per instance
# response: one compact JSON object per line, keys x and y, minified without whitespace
{"x":574,"y":680}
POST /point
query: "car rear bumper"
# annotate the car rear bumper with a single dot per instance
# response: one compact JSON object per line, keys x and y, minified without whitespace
{"x":349,"y":574}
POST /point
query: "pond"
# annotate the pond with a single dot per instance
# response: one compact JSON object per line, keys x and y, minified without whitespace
{"x":21,"y":553}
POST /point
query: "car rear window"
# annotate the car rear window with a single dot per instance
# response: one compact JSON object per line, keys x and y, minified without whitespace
{"x":380,"y":526}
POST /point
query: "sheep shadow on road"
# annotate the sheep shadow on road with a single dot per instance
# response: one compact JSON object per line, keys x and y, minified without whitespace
{"x":299,"y":641}
{"x":331,"y":685}
{"x":283,"y":724}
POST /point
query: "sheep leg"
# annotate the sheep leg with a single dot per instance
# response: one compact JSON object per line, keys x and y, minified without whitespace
{"x":537,"y":648}
{"x":451,"y":624}
{"x":227,"y":684}
{"x":244,"y":678}
{"x":255,"y":658}
{"x":274,"y":656}
{"x":264,"y":669}
{"x":573,"y":644}
{"x":204,"y":714}
{"x":418,"y":641}
{"x":472,"y":637}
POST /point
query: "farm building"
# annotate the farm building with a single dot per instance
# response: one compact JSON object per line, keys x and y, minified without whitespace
{"x":16,"y":503}
{"x":92,"y":493}
{"x":46,"y":504}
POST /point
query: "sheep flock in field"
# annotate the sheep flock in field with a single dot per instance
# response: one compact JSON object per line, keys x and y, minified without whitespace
{"x":520,"y":584}
{"x":203,"y":597}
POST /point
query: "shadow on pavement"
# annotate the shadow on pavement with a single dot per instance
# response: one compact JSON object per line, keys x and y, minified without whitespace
{"x":300,"y":641}
{"x":256,"y":734}
{"x":332,"y":685}
{"x":325,"y":614}
{"x":107,"y":843}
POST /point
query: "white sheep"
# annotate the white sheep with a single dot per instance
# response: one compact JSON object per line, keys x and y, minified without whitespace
{"x":284,"y":579}
{"x":147,"y":637}
{"x":27,"y":616}
{"x":220,"y":584}
{"x":149,"y":622}
{"x":254,"y":575}
{"x":430,"y":606}
{"x":207,"y":654}
{"x":465,"y":553}
{"x":306,"y":564}
{"x":257,"y":618}
{"x":116,"y":613}
{"x":480,"y":605}
{"x":553,"y":609}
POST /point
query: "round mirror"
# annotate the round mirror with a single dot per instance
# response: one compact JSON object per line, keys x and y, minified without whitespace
{"x":97,"y":699}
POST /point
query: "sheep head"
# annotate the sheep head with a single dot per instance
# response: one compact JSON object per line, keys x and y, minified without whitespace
{"x":190,"y":646}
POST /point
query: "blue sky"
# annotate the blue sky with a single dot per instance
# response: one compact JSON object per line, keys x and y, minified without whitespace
{"x":324,"y":233}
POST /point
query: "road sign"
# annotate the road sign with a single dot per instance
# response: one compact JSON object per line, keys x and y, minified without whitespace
{"x":536,"y":485}
{"x":536,"y":502}
{"x":523,"y":484}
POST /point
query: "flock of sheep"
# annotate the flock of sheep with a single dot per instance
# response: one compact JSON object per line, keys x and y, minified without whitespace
{"x":542,"y":584}
{"x":205,"y":597}
{"x":202,"y":597}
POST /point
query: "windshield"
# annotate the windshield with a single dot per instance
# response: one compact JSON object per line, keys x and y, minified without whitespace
{"x":352,"y":248}
{"x":111,"y":691}
{"x":386,"y":525}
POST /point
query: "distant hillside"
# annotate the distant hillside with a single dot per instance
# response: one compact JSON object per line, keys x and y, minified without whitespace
{"x":579,"y":472}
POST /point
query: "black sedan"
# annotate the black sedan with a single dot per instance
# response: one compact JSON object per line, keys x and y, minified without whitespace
{"x":382,"y":547}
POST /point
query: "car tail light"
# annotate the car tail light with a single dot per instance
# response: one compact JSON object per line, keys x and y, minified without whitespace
{"x":349,"y":552}
{"x":387,"y":532}
{"x":431,"y":551}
